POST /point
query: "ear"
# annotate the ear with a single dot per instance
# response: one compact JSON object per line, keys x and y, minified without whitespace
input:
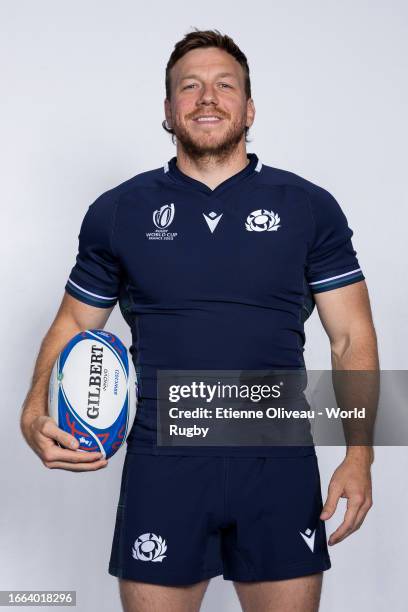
{"x":250,"y":112}
{"x":167,"y":112}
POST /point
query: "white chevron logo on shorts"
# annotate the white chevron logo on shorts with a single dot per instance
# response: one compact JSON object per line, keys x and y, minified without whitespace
{"x":309,"y":538}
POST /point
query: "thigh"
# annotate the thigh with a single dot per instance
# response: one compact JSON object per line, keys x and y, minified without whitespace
{"x":294,"y":595}
{"x":144,"y":597}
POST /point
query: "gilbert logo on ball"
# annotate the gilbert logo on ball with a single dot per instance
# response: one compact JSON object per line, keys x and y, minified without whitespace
{"x":93,"y":391}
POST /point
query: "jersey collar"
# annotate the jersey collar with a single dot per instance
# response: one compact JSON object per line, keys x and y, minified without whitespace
{"x":173,"y":172}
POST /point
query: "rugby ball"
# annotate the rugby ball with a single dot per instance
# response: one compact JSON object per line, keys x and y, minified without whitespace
{"x":93,"y":391}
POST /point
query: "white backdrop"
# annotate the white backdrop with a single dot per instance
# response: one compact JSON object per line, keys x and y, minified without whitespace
{"x":81,"y":112}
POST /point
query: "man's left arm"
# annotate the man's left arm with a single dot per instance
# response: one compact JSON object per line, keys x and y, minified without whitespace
{"x":346,"y":316}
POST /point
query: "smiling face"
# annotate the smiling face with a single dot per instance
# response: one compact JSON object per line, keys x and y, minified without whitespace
{"x":208,"y":110}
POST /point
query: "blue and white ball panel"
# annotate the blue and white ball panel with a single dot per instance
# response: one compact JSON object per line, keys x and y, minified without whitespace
{"x":93,"y":391}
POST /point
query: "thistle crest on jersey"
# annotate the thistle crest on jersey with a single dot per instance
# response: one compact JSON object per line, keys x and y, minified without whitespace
{"x":262,"y":221}
{"x":149,"y":547}
{"x":163,"y":217}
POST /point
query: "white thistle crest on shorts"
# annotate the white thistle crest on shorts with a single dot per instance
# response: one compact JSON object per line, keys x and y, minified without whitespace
{"x":149,"y":547}
{"x":262,"y":221}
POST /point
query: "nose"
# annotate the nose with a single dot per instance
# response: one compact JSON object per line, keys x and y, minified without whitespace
{"x":208,"y":95}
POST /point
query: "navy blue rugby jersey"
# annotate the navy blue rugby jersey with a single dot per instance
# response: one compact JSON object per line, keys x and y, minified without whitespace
{"x":212,"y":279}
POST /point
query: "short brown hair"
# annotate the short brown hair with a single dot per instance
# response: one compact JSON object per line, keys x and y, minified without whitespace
{"x":198,"y":39}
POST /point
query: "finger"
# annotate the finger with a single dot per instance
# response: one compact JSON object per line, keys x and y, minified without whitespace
{"x":55,"y":453}
{"x":332,"y":500}
{"x":51,"y":430}
{"x":362,"y":514}
{"x":346,"y":527}
{"x":79,"y":467}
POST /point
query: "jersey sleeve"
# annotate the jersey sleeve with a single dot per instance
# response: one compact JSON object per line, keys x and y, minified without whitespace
{"x":331,"y":260}
{"x":95,"y":277}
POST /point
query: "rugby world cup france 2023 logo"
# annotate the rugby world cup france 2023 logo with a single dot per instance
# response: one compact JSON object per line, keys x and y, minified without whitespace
{"x":262,"y":221}
{"x":163,"y":218}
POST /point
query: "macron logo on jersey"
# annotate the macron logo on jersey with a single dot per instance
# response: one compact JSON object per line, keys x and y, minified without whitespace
{"x":212,"y":220}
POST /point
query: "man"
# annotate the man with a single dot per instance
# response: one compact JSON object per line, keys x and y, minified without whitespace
{"x":208,"y":256}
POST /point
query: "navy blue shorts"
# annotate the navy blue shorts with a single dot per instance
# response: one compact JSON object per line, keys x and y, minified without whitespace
{"x":184,"y":519}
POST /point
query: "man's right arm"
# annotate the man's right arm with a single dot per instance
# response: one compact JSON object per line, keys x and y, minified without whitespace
{"x":39,"y":429}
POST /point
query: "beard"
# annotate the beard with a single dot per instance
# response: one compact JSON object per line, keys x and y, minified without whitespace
{"x":206,"y":145}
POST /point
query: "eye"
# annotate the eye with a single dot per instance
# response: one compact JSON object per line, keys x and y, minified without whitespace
{"x":226,"y":85}
{"x":188,"y":86}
